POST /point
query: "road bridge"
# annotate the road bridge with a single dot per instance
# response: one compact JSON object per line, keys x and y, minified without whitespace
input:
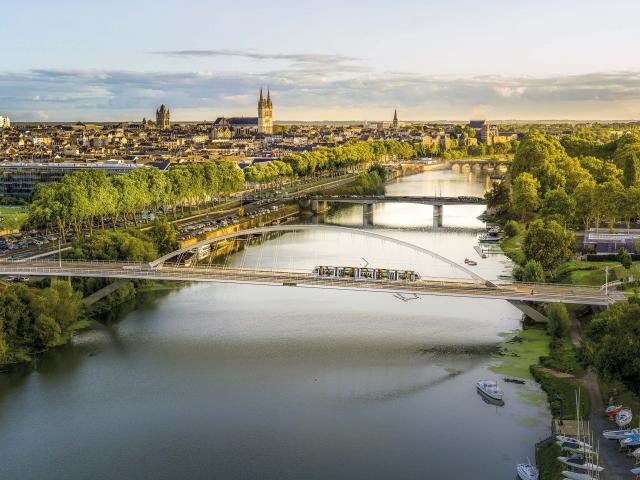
{"x":318,"y":203}
{"x":162,"y":269}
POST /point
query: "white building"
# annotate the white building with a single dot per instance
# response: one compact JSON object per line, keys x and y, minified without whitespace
{"x":4,"y":122}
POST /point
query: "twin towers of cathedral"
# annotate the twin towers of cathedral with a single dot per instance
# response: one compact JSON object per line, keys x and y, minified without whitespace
{"x":265,"y":113}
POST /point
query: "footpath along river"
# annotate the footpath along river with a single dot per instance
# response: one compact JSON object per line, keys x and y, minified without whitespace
{"x":237,"y":381}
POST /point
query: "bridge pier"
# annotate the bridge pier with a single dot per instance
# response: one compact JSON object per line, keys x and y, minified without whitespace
{"x":437,"y":215}
{"x":318,"y":206}
{"x":367,"y":214}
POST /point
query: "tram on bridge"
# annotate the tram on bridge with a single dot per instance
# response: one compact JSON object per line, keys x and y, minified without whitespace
{"x":366,"y":273}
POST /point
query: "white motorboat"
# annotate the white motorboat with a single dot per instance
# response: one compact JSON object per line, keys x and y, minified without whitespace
{"x":526,"y":471}
{"x":624,"y":417}
{"x":620,"y":434}
{"x":576,"y":475}
{"x":490,"y":389}
{"x":580,"y":463}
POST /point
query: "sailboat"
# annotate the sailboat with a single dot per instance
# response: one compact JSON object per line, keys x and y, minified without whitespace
{"x":582,"y":459}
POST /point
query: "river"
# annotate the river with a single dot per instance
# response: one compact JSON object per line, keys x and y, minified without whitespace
{"x":236,"y":381}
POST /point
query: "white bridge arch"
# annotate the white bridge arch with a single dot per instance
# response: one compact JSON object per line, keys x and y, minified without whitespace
{"x":333,"y":228}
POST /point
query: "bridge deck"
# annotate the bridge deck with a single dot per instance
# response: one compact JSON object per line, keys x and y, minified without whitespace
{"x":460,"y":288}
{"x":425,"y":200}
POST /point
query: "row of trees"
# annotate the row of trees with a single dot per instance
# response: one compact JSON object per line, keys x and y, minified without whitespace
{"x":85,"y":196}
{"x":327,"y":159}
{"x":267,"y":172}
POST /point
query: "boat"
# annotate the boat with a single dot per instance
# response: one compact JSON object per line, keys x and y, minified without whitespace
{"x":635,"y":471}
{"x":632,"y":441}
{"x":580,"y":463}
{"x":624,"y":417}
{"x":565,"y":439}
{"x":575,"y":447}
{"x":486,"y":238}
{"x":636,"y":453}
{"x":468,"y":261}
{"x":576,"y":475}
{"x":526,"y":471}
{"x":490,"y":389}
{"x":620,"y":434}
{"x":519,"y":381}
{"x":613,"y":409}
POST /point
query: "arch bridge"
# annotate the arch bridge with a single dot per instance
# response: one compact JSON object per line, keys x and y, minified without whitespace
{"x":475,"y":286}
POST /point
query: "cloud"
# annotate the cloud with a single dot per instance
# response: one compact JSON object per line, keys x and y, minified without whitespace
{"x":315,"y":93}
{"x":318,"y":58}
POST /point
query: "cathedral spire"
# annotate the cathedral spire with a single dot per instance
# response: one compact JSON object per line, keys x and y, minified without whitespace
{"x":395,"y":118}
{"x":261,"y":97}
{"x":268,"y":96}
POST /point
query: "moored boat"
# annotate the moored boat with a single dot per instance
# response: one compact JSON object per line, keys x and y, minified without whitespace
{"x":490,"y":389}
{"x":632,"y":441}
{"x":613,"y":409}
{"x":526,"y":471}
{"x":486,"y":238}
{"x":624,"y":417}
{"x":620,"y":434}
{"x":580,"y":463}
{"x":575,"y":447}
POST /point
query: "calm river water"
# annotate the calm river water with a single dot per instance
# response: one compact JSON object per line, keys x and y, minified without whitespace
{"x":239,"y":382}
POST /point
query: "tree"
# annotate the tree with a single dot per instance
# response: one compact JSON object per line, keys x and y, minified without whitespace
{"x":548,"y":243}
{"x":559,"y":322}
{"x":512,"y":228}
{"x":164,"y":235}
{"x":609,"y":202}
{"x":612,"y":343}
{"x":625,"y":259}
{"x":535,"y":150}
{"x":533,"y":272}
{"x":558,"y":202}
{"x":499,"y":197}
{"x":584,"y":198}
{"x":525,"y":195}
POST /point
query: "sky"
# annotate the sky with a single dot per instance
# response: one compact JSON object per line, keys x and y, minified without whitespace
{"x":117,"y":60}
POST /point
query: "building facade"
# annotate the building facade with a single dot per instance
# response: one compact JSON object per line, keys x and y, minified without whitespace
{"x":162,"y":118}
{"x":4,"y":122}
{"x":226,"y":127}
{"x":265,"y":114}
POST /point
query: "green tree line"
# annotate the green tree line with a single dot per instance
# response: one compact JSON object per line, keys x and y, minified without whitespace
{"x":85,"y":196}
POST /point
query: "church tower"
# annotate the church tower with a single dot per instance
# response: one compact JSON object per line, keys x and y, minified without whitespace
{"x":395,"y":119}
{"x":162,"y":118}
{"x":265,"y":111}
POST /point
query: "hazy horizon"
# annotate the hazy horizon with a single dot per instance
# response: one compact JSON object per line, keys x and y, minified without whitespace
{"x":77,"y":61}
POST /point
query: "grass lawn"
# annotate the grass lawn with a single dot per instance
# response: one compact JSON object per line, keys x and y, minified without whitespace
{"x":12,"y":217}
{"x":578,"y":272}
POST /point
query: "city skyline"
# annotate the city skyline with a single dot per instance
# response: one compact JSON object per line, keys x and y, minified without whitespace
{"x":79,"y":62}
